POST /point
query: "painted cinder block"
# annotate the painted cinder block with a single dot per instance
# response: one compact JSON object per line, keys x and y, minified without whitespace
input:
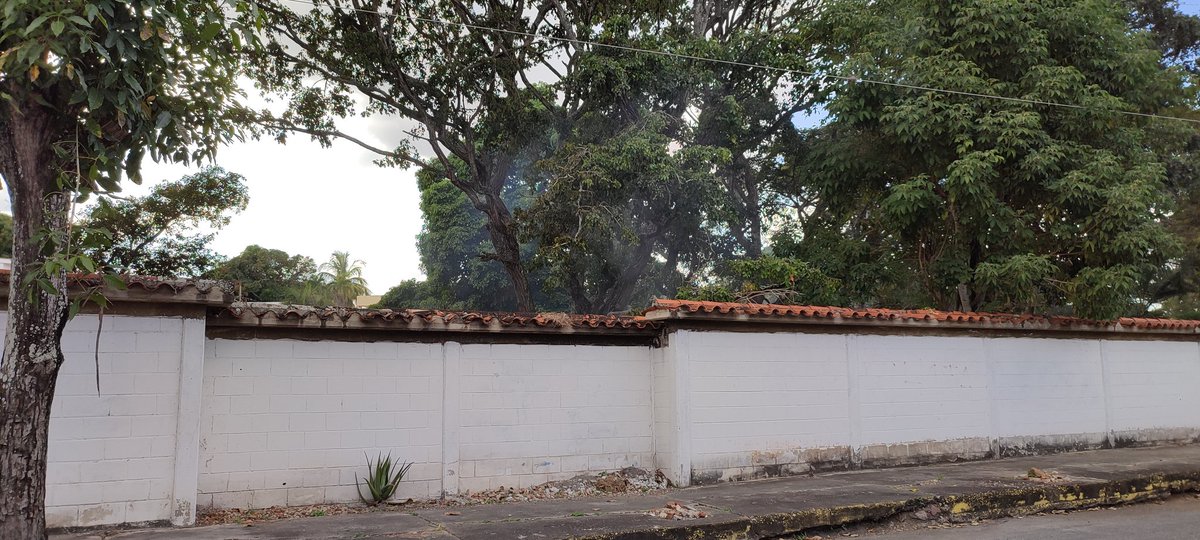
{"x":288,"y":422}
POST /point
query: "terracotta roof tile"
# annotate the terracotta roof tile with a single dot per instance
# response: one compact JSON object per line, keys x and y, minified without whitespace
{"x":215,"y":293}
{"x":277,"y":314}
{"x":146,"y":283}
{"x":668,"y":309}
{"x":147,"y":289}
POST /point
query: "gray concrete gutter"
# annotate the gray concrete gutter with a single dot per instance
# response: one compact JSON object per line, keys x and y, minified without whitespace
{"x":767,"y":508}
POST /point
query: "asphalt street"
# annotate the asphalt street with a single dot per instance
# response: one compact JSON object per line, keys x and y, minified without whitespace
{"x":1176,"y":518}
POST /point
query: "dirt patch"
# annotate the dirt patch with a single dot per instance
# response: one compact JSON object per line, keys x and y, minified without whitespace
{"x":626,"y":481}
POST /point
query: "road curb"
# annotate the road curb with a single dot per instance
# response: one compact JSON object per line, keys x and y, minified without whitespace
{"x":966,"y":507}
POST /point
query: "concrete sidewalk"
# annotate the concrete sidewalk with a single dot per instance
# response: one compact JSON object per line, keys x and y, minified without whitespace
{"x":765,"y":508}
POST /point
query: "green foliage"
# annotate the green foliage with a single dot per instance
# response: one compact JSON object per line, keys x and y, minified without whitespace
{"x":470,"y":95}
{"x":456,"y":249}
{"x":410,"y":294}
{"x":125,"y":79}
{"x":996,"y":204}
{"x":769,"y":280}
{"x":521,"y":111}
{"x":63,"y":256}
{"x":382,"y":478}
{"x":453,"y":244}
{"x":95,"y":86}
{"x":1181,"y":306}
{"x":612,"y":201}
{"x":342,"y":278}
{"x":1175,"y":33}
{"x":1018,"y":282}
{"x":6,"y":235}
{"x":598,"y":178}
{"x":749,"y":113}
{"x":270,"y":275}
{"x":156,"y":234}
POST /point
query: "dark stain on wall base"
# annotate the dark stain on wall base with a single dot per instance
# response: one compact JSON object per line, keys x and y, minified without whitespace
{"x":834,"y":459}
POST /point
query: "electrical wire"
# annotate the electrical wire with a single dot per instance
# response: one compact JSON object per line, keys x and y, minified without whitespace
{"x":790,"y":71}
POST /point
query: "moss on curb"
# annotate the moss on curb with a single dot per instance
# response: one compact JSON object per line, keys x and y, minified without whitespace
{"x":989,"y":504}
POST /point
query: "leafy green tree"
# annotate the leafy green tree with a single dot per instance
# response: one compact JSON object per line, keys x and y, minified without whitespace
{"x":492,"y":105}
{"x":87,"y":88}
{"x":616,"y":199}
{"x":268,"y":275}
{"x":454,"y":245}
{"x":156,"y":234}
{"x":613,"y":221}
{"x":6,"y":235}
{"x":467,"y":93}
{"x":749,"y":112}
{"x":1003,"y":204}
{"x":1175,"y":33}
{"x":410,"y":294}
{"x":1177,"y":36}
{"x":343,"y":278}
{"x":768,"y":280}
{"x":313,"y":292}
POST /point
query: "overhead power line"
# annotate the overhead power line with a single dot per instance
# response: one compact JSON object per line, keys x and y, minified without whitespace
{"x":791,"y":71}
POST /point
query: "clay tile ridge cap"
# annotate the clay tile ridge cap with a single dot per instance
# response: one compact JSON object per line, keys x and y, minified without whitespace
{"x":547,"y":320}
{"x":135,"y":282}
{"x":663,"y":309}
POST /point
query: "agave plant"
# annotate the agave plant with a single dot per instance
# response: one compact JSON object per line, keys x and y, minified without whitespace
{"x":382,"y":478}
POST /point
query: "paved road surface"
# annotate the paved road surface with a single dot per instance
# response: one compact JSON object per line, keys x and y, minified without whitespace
{"x":1177,"y":518}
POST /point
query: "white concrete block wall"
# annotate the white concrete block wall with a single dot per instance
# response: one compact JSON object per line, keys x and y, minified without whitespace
{"x":762,"y":400}
{"x":918,"y":388}
{"x":1046,"y":387}
{"x":1152,"y":385}
{"x":663,"y":369}
{"x":288,"y":422}
{"x":111,"y":456}
{"x":534,"y":413}
{"x":757,"y":398}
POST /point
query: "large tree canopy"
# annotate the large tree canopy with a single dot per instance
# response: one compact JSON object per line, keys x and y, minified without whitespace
{"x":269,"y":275}
{"x":455,"y":249}
{"x":156,"y":234}
{"x":463,"y":92}
{"x":555,"y":167}
{"x":511,"y":103}
{"x":998,"y":204}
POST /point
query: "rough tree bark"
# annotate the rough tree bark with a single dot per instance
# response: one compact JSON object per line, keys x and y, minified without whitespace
{"x":32,"y":353}
{"x":508,"y":251}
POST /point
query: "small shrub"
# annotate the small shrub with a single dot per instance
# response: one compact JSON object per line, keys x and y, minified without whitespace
{"x":382,"y":478}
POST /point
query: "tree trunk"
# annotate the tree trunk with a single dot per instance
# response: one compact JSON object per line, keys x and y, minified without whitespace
{"x":620,"y":294}
{"x":753,"y":214}
{"x":32,"y":354}
{"x":508,"y":250}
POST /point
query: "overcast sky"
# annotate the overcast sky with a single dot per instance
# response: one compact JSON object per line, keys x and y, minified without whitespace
{"x":309,"y":200}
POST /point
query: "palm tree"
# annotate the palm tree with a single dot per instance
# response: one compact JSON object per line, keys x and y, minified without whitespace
{"x":343,"y":278}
